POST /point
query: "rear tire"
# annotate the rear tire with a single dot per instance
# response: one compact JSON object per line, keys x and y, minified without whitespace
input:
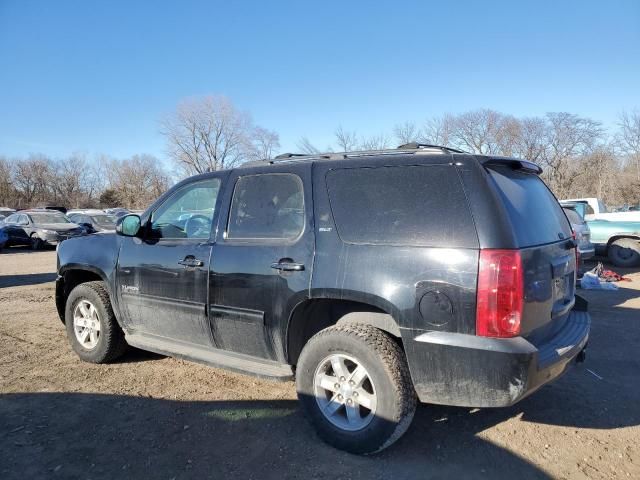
{"x":92,"y":328}
{"x":625,"y":252}
{"x":369,"y":407}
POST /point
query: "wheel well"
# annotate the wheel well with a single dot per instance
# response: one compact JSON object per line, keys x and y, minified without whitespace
{"x":70,"y":280}
{"x":314,"y":315}
{"x":618,"y":237}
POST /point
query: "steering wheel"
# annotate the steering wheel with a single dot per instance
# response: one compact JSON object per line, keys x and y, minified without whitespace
{"x":196,"y":225}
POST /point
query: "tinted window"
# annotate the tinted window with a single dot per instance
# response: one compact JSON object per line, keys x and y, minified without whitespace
{"x":47,"y":218}
{"x":269,"y":206}
{"x":188,"y":213}
{"x":534,"y":212}
{"x":573,"y":216}
{"x":409,"y":205}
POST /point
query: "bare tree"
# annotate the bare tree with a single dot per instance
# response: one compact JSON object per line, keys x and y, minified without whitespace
{"x":407,"y":132}
{"x":531,"y":141}
{"x":375,"y":142}
{"x":305,"y":146}
{"x":347,"y":141}
{"x":138,"y":180}
{"x":7,"y":191}
{"x":206,"y":134}
{"x":568,"y":136}
{"x":70,"y":175}
{"x":629,"y":137}
{"x":480,"y":131}
{"x":262,"y":144}
{"x":32,"y":180}
{"x":439,"y":131}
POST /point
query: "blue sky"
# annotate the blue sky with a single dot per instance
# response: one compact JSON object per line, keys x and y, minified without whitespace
{"x":96,"y":76}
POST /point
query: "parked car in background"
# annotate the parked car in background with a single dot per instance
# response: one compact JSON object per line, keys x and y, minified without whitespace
{"x":118,"y":212}
{"x":615,"y":239}
{"x":39,"y":228}
{"x":596,"y":209}
{"x":580,"y":227}
{"x":2,"y":217}
{"x":618,"y":240}
{"x":377,"y":279}
{"x":94,"y":221}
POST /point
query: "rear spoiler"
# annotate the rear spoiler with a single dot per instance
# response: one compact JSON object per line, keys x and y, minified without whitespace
{"x":513,"y":163}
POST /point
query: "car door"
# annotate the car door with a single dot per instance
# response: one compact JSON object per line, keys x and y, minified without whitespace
{"x":18,"y":233}
{"x":162,"y":277}
{"x":9,"y":226}
{"x":261,"y":265}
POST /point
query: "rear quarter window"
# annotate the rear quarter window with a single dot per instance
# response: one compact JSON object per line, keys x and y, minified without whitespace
{"x":533,"y":211}
{"x":401,"y":205}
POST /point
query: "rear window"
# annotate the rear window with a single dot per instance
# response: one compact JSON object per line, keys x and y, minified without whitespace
{"x":534,"y":212}
{"x":573,"y":216}
{"x":401,"y":205}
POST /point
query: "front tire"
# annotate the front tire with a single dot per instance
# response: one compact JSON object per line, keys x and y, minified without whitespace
{"x":624,"y":252}
{"x":354,"y":385}
{"x":92,"y":328}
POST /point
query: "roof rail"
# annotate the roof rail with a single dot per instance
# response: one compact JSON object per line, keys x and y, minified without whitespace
{"x":417,"y":146}
{"x":289,"y":155}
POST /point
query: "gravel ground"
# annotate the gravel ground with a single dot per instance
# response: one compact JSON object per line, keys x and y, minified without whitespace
{"x":150,"y":416}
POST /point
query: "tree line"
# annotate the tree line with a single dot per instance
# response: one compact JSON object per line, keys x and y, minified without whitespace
{"x":80,"y":182}
{"x":578,"y":155}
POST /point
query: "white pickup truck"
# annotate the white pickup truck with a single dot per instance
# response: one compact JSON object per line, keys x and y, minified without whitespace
{"x":597,"y":210}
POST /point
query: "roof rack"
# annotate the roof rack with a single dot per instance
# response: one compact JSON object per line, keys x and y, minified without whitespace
{"x":418,"y":146}
{"x":293,"y":157}
{"x":289,"y":155}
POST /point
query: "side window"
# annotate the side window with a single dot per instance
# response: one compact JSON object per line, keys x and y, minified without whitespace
{"x":188,"y":213}
{"x":12,"y":218}
{"x":402,"y":205}
{"x":23,"y":220}
{"x":589,"y":209}
{"x":267,"y":206}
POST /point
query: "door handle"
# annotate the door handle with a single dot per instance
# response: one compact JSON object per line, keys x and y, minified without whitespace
{"x":287,"y":265}
{"x":191,"y":261}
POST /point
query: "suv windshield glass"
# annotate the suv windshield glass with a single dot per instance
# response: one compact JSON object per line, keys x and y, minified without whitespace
{"x":535,"y":214}
{"x":48,"y":218}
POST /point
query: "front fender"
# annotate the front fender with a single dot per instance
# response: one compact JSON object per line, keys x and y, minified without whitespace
{"x":87,"y":258}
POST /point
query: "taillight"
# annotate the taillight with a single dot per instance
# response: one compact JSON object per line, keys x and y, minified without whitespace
{"x":500,"y":293}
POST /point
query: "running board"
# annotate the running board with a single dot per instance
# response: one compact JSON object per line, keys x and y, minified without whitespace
{"x":236,"y":362}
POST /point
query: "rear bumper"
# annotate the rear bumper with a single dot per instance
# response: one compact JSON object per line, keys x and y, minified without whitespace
{"x":471,"y":371}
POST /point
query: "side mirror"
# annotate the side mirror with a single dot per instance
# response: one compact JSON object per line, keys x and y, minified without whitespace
{"x":128,"y":225}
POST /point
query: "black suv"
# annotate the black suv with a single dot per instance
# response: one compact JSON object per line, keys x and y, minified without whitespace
{"x":373,"y":278}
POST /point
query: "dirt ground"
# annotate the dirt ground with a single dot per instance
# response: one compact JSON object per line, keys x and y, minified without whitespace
{"x":150,"y":416}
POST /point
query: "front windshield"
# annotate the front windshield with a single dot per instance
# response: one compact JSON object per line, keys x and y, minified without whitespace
{"x":48,"y":218}
{"x":104,"y":220}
